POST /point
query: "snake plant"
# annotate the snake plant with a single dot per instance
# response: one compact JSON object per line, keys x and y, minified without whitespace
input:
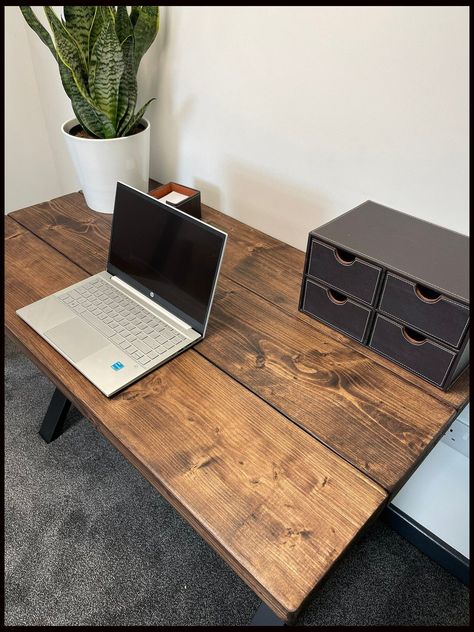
{"x":98,"y":51}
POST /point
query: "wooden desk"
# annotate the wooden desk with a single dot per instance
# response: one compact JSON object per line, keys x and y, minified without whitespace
{"x":277,"y":438}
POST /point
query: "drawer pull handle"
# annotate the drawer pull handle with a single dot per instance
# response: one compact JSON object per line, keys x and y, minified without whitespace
{"x":344,"y":257}
{"x":336,"y":297}
{"x":427,"y":295}
{"x":413,"y":337}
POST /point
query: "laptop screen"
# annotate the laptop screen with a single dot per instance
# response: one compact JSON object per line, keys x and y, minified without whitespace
{"x":166,"y":254}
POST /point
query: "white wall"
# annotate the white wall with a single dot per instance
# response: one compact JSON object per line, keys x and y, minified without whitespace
{"x":30,"y":168}
{"x":287,"y":117}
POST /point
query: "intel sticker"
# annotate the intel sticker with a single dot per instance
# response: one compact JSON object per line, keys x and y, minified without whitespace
{"x":117,"y":366}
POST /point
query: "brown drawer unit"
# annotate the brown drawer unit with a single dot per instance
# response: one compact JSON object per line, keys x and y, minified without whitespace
{"x":344,"y":271}
{"x":412,"y":350}
{"x":337,"y":310}
{"x":410,"y":276}
{"x":425,"y":309}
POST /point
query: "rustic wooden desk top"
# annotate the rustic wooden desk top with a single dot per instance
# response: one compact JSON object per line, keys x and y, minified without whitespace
{"x":276,"y":437}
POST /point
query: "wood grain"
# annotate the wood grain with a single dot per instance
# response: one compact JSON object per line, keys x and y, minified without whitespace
{"x":12,"y":229}
{"x":88,"y":232}
{"x":275,"y":503}
{"x":379,"y":423}
{"x":377,"y":420}
{"x":274,"y":271}
{"x":258,"y":262}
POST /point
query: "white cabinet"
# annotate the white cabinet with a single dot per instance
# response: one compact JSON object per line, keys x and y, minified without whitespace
{"x":432,"y":508}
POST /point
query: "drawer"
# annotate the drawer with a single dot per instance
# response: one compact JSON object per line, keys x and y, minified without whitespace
{"x":407,"y":347}
{"x":336,"y":310}
{"x":344,"y":271}
{"x":424,"y":309}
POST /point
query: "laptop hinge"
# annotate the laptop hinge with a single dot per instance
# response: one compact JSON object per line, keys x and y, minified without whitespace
{"x":150,"y":303}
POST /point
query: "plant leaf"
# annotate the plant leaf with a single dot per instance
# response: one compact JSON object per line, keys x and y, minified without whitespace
{"x":136,"y":119}
{"x":103,"y":17}
{"x":134,"y":13}
{"x":98,"y":50}
{"x":110,"y":12}
{"x":92,"y":121}
{"x":123,"y":26}
{"x":127,"y":98}
{"x":145,"y":30}
{"x":78,"y":22}
{"x":68,"y":51}
{"x":38,"y":28}
{"x":105,"y":72}
{"x":96,"y":27}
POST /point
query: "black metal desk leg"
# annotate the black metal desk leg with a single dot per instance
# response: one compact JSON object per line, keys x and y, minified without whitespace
{"x":53,"y":421}
{"x":265,"y":616}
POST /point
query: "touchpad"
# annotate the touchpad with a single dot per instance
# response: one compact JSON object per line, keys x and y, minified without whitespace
{"x":76,"y":339}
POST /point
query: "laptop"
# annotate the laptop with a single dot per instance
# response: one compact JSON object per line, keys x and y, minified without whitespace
{"x":152,"y":302}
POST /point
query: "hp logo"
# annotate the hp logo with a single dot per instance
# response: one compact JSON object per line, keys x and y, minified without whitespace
{"x":151,"y":294}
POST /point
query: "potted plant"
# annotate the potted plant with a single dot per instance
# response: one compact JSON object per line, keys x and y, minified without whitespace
{"x":98,"y":51}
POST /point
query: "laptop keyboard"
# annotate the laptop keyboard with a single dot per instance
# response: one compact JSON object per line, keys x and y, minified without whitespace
{"x":140,"y":334}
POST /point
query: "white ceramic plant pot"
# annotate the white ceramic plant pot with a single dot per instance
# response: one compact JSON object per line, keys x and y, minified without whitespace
{"x":101,"y":163}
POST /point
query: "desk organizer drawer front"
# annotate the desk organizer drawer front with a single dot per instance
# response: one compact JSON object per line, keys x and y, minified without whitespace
{"x":412,"y":350}
{"x":424,"y":309}
{"x":336,"y":310}
{"x":344,"y":271}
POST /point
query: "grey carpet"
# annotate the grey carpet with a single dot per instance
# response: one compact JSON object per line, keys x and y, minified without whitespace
{"x":89,"y":542}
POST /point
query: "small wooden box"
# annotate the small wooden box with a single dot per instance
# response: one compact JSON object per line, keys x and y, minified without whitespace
{"x":395,"y":283}
{"x":179,"y":196}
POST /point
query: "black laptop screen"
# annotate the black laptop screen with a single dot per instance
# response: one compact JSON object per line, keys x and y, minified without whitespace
{"x":166,"y":254}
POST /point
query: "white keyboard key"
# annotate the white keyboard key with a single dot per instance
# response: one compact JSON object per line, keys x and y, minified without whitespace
{"x":117,"y":339}
{"x":98,"y":324}
{"x":142,"y":346}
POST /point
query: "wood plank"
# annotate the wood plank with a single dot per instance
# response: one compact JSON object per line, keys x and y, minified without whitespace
{"x":274,"y":271}
{"x":87,"y":234}
{"x":257,"y":261}
{"x":12,"y":229}
{"x":382,"y":424}
{"x":275,"y":503}
{"x":379,"y":423}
